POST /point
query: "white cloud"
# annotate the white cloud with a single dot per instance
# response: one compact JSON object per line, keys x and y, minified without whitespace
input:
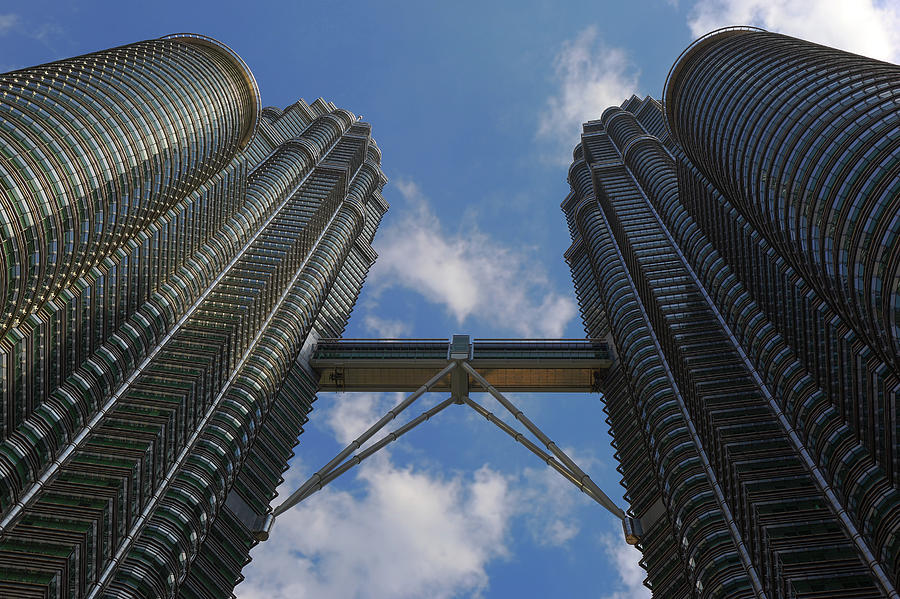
{"x":7,"y":22}
{"x":625,"y":558}
{"x":592,"y":77}
{"x":45,"y":32}
{"x":467,"y":273}
{"x":387,"y":328}
{"x":546,"y":501}
{"x":411,"y":534}
{"x":350,"y":415}
{"x":866,"y":27}
{"x":549,"y":506}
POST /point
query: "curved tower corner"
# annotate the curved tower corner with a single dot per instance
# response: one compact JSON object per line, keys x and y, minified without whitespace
{"x":743,"y":258}
{"x":804,"y":140}
{"x":96,"y":148}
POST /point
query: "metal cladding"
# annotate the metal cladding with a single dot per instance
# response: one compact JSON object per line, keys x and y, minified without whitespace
{"x":804,"y":141}
{"x":170,"y":248}
{"x":753,"y":404}
{"x":95,"y":149}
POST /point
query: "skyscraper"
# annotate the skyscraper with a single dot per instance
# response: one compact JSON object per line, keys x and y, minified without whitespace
{"x":169,"y":248}
{"x":740,"y":245}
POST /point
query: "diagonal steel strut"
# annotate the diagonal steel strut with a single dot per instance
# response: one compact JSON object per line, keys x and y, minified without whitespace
{"x":583,"y":478}
{"x":559,"y":461}
{"x":300,"y":493}
{"x":545,"y":457}
{"x":367,"y":452}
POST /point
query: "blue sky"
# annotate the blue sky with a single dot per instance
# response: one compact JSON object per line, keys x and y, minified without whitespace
{"x":476,"y":106}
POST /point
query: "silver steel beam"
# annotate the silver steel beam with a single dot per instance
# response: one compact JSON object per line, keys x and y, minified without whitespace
{"x":297,"y":495}
{"x":548,"y":443}
{"x":460,"y":388}
{"x":367,"y":452}
{"x":547,"y":458}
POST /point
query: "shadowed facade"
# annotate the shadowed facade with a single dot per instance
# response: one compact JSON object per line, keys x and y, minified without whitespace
{"x":739,"y":246}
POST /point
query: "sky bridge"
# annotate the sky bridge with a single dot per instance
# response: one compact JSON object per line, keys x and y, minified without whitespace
{"x":510,"y":365}
{"x":458,"y":367}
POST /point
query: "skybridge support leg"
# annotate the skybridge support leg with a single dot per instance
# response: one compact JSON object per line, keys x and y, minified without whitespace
{"x":459,"y":370}
{"x":392,"y":436}
{"x":543,"y":455}
{"x":631,"y":526}
{"x":303,"y":491}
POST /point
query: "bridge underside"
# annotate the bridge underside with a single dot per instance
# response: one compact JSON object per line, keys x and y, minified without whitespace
{"x":541,"y":366}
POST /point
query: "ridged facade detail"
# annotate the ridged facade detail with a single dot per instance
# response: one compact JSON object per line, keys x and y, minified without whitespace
{"x":784,"y":385}
{"x":153,"y":382}
{"x":818,"y":174}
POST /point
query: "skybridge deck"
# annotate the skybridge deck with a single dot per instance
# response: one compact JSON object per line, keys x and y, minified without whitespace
{"x":510,"y":365}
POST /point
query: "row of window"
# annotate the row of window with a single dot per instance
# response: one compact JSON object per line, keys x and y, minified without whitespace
{"x":648,"y":400}
{"x":125,"y":162}
{"x":803,"y":139}
{"x":177,"y":390}
{"x":255,"y":384}
{"x":698,"y":363}
{"x":791,"y":385}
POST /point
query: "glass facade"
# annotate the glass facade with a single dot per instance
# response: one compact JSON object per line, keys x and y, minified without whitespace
{"x":169,"y":248}
{"x":739,"y":247}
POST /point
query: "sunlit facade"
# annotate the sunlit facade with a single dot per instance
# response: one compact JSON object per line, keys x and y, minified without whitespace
{"x":169,"y":248}
{"x":739,"y":244}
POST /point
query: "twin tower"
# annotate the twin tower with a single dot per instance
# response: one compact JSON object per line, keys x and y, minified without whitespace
{"x":169,"y":247}
{"x":740,"y":245}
